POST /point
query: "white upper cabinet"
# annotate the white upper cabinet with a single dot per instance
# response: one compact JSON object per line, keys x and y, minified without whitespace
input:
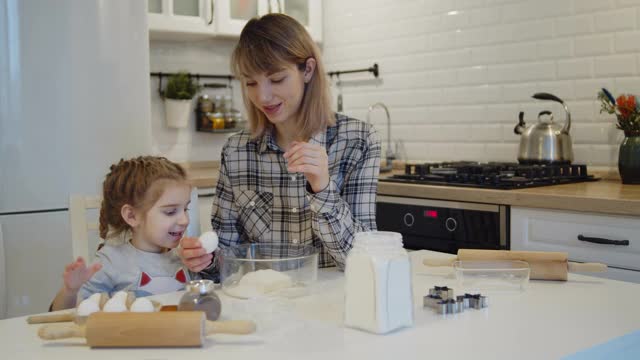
{"x":180,"y":19}
{"x":307,"y":12}
{"x":203,"y":18}
{"x":232,"y":15}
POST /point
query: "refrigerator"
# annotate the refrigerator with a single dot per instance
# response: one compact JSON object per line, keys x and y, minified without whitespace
{"x":74,"y":98}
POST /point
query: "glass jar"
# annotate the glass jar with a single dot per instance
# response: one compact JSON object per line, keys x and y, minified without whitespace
{"x":201,"y":297}
{"x":229,"y":121}
{"x":218,"y":120}
{"x":217,"y":103}
{"x":378,"y":290}
{"x":205,"y":104}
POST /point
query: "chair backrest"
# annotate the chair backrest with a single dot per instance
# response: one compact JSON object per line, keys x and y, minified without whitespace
{"x":84,"y":232}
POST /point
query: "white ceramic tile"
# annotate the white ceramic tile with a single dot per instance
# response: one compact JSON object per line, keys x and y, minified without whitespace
{"x":574,"y":25}
{"x":582,"y":6}
{"x":575,"y":68}
{"x":557,"y":48}
{"x":593,"y":45}
{"x":628,"y":41}
{"x":615,"y":65}
{"x":623,"y":19}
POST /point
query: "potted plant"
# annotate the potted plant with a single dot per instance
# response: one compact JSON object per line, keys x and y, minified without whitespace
{"x":177,"y":99}
{"x":627,"y":111}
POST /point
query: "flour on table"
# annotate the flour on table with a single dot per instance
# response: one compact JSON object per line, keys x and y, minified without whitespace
{"x":260,"y":282}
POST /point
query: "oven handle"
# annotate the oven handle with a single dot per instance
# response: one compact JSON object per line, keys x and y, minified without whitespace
{"x":597,"y":240}
{"x":438,"y":203}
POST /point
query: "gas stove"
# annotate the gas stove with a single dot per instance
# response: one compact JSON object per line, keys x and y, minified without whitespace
{"x":492,"y":175}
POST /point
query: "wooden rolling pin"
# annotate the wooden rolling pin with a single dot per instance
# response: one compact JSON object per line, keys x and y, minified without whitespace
{"x":545,"y":265}
{"x":158,"y":329}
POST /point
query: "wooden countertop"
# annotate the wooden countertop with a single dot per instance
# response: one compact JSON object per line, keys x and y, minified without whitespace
{"x":605,"y":196}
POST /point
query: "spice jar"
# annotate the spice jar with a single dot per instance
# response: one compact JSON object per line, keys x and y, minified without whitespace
{"x":218,"y":120}
{"x":229,"y":121}
{"x":201,"y":297}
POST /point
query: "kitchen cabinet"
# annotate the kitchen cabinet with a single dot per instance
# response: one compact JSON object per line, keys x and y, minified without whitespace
{"x":307,"y":12}
{"x":231,"y":16}
{"x":172,"y":19}
{"x":183,"y":19}
{"x":554,"y":230}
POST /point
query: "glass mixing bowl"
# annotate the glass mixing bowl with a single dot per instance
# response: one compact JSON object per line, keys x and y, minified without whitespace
{"x":268,"y":270}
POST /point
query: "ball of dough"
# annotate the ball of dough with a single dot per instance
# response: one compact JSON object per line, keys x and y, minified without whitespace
{"x":142,"y":305}
{"x":209,"y":241}
{"x":88,"y":306}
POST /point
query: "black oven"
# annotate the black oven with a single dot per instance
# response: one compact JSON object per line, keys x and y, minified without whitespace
{"x":444,"y":226}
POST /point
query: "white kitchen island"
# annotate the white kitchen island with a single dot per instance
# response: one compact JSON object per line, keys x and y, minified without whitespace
{"x":547,"y":321}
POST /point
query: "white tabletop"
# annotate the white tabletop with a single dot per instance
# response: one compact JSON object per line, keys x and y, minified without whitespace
{"x":547,"y":321}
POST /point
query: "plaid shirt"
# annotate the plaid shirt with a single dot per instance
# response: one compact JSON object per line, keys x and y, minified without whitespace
{"x":258,"y":200}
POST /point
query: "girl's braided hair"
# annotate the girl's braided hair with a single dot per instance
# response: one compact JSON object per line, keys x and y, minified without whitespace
{"x":133,"y":182}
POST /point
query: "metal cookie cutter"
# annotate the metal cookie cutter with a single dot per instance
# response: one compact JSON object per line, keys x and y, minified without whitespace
{"x":442,"y":291}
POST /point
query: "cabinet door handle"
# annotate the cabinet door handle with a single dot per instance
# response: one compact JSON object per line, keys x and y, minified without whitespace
{"x":211,"y":4}
{"x":603,"y":241}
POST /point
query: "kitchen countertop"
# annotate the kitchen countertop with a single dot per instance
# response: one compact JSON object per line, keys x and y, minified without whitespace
{"x":605,"y":196}
{"x":547,"y":321}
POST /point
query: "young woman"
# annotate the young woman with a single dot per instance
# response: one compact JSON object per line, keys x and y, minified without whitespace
{"x":301,"y":174}
{"x":147,"y":198}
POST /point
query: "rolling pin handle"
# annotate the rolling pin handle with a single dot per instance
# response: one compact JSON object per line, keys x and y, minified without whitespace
{"x":238,"y":327}
{"x":438,"y":262}
{"x":586,"y":267}
{"x":59,"y":331}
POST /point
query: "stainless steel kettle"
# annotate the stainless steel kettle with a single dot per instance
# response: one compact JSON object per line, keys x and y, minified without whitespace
{"x":545,"y":142}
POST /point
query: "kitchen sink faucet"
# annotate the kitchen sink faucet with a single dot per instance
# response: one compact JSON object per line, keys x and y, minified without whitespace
{"x":390,"y":156}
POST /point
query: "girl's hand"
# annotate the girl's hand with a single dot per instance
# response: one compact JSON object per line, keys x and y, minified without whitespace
{"x":311,"y":160}
{"x":77,"y":273}
{"x":193,"y":255}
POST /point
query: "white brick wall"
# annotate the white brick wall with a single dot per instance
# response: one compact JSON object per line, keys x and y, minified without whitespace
{"x":457,"y":72}
{"x":205,"y":57}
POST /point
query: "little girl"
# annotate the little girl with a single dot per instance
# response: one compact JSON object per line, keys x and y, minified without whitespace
{"x":146,"y":199}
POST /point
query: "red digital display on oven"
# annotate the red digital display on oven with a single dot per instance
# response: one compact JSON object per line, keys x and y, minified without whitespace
{"x":431,"y":214}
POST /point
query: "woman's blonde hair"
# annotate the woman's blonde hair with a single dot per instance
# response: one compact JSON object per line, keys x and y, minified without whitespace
{"x":138,"y":182}
{"x":268,"y":43}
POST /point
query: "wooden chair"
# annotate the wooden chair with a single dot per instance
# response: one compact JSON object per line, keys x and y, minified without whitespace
{"x":84,"y":233}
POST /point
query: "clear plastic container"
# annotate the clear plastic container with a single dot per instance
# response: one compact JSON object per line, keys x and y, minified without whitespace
{"x":259,"y":270}
{"x":497,"y":275}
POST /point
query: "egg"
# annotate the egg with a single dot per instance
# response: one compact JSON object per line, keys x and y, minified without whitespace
{"x":117,"y":303}
{"x":88,"y":306}
{"x":142,"y":305}
{"x":209,"y":241}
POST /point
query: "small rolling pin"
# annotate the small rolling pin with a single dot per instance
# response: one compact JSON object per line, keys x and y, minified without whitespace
{"x":545,"y":265}
{"x":158,"y":329}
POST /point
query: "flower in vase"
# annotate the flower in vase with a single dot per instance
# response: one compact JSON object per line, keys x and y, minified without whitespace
{"x":626,"y":109}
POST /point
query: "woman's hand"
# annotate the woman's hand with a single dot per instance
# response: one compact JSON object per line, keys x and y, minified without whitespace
{"x":311,"y":160}
{"x":77,"y":273}
{"x":193,"y":255}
